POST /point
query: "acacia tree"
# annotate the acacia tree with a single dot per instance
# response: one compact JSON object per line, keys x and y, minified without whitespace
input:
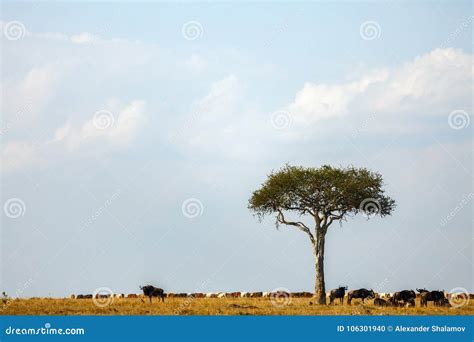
{"x":325,"y":195}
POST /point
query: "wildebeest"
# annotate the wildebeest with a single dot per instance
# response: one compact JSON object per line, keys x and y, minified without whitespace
{"x":381,"y":302}
{"x":406,"y":296}
{"x":151,"y":291}
{"x":337,"y":293}
{"x":361,"y":293}
{"x":444,"y":302}
{"x":430,"y":296}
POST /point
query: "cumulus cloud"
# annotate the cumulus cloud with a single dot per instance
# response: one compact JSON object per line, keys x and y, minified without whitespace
{"x":439,"y":78}
{"x":115,"y":127}
{"x":433,"y":83}
{"x":119,"y":131}
{"x":28,"y":96}
{"x":319,"y":101}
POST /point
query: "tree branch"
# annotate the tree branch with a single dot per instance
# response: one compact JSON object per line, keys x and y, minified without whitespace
{"x":300,"y":225}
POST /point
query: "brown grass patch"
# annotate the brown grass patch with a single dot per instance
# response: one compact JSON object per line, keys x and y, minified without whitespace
{"x":213,"y":306}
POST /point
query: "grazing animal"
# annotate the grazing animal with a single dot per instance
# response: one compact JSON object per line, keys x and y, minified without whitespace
{"x":151,"y":291}
{"x":132,"y":295}
{"x":266,"y":294}
{"x":381,"y":302}
{"x":88,"y":296}
{"x":361,"y":293}
{"x":430,"y":296}
{"x":340,"y":292}
{"x":73,"y":296}
{"x":444,"y":302}
{"x":80,"y":296}
{"x":405,"y":296}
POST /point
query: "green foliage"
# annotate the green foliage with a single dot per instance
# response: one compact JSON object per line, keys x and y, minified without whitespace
{"x":327,"y":193}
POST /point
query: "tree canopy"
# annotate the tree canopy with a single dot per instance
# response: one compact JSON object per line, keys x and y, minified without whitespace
{"x":326,"y":193}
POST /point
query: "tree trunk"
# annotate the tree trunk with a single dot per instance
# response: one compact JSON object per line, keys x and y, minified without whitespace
{"x":319,"y":289}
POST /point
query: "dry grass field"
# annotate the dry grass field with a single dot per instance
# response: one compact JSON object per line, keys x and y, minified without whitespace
{"x":214,"y":306}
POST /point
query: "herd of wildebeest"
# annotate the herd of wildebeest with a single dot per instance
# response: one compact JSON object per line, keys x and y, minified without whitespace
{"x":405,"y":298}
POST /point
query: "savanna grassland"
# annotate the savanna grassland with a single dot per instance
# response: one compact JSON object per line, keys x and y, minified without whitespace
{"x":214,"y":306}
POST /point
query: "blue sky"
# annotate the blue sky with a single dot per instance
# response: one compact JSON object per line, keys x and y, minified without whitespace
{"x":115,"y":117}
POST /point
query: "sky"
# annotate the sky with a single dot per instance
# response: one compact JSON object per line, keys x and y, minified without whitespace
{"x":134,"y":133}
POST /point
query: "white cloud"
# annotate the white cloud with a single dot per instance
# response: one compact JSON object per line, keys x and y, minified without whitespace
{"x":87,"y":138}
{"x":319,"y":101}
{"x":27,"y":97}
{"x":18,"y":155}
{"x":196,"y":63}
{"x":118,"y":128}
{"x":438,"y":78}
{"x":84,"y":38}
{"x":221,"y":96}
{"x":433,"y":83}
{"x":221,"y":124}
